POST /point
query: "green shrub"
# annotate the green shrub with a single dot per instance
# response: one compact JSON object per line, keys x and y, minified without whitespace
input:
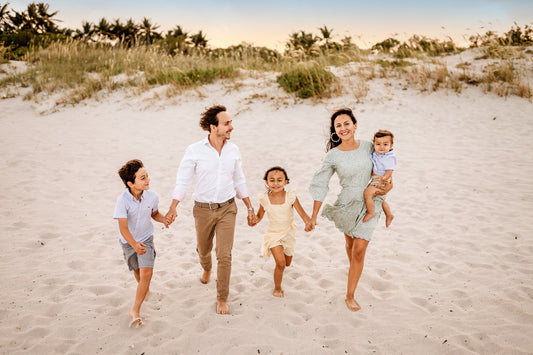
{"x":306,"y":82}
{"x":195,"y":76}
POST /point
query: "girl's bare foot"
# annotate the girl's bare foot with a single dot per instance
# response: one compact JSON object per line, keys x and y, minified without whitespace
{"x":368,"y":216}
{"x":388,"y":220}
{"x":278,"y":293}
{"x":222,"y":307}
{"x":352,"y":305}
{"x":205,"y":277}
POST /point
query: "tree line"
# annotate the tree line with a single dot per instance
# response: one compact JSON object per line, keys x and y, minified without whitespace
{"x":38,"y":26}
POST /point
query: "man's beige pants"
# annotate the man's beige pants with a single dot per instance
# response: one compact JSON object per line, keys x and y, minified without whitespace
{"x":219,"y":222}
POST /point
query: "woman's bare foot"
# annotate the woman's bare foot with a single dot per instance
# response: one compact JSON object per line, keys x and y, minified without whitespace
{"x":388,"y":220}
{"x":352,"y":305}
{"x":222,"y":307}
{"x":368,"y":216}
{"x":205,"y":277}
{"x":278,"y":293}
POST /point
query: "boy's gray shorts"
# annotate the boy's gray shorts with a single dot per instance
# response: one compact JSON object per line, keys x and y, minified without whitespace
{"x":136,"y":261}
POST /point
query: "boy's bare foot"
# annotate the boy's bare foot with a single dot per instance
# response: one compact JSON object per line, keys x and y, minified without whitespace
{"x":278,"y":293}
{"x":136,"y":320}
{"x":352,"y":305}
{"x":368,"y":216}
{"x":205,"y":277}
{"x":388,"y":220}
{"x":222,"y":307}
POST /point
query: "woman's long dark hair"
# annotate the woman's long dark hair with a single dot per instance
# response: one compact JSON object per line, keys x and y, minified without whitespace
{"x":343,"y":111}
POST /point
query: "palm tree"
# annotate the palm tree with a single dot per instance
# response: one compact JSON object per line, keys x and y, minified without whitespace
{"x":199,"y":40}
{"x":35,"y":19}
{"x":302,"y":41}
{"x":86,"y":33}
{"x":126,"y":33}
{"x":147,"y":30}
{"x":45,"y":22}
{"x":326,"y":34}
{"x":4,"y":12}
{"x":176,"y":41}
{"x":104,"y":30}
{"x":130,"y":34}
{"x":177,"y":32}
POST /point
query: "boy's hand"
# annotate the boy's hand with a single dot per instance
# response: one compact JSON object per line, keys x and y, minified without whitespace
{"x":170,"y":216}
{"x":139,"y":248}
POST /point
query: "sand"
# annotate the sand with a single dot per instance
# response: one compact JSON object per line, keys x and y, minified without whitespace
{"x":452,"y":275}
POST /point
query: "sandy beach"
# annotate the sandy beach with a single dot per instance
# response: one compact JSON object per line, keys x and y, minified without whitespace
{"x":452,"y":275}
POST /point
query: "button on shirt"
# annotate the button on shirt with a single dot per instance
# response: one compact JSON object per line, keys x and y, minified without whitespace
{"x":138,"y":213}
{"x":218,"y":177}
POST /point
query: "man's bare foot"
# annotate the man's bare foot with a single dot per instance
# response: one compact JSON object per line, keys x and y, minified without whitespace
{"x":205,"y":277}
{"x":352,"y":305}
{"x":278,"y":293}
{"x":388,"y":220}
{"x":368,"y":216}
{"x":222,"y":307}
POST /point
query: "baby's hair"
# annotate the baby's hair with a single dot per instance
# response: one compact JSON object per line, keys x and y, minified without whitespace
{"x":384,"y":133}
{"x":276,"y":168}
{"x":128,"y":171}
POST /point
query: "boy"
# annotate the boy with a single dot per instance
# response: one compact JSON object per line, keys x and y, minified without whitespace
{"x":384,"y":162}
{"x":133,"y":210}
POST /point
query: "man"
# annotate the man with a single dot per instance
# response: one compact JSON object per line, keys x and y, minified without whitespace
{"x":219,"y":179}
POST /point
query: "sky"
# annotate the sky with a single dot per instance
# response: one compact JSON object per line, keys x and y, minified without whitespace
{"x":270,"y":22}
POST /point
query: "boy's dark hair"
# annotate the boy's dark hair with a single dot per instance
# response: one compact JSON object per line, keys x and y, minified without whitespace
{"x":209,"y":117}
{"x":128,"y":171}
{"x":384,"y":133}
{"x":276,"y":168}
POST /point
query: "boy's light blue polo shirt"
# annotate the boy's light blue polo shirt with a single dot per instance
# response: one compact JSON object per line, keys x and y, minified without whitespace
{"x":138,"y":213}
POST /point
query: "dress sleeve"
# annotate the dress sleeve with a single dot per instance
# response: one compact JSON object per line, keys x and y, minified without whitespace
{"x":263,"y":200}
{"x":320,"y":183}
{"x":291,"y":196}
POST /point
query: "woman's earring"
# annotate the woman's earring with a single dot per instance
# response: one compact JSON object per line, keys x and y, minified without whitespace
{"x":333,"y":140}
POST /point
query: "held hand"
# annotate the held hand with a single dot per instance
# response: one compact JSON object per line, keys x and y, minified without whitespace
{"x":139,"y":248}
{"x":252,"y":219}
{"x":310,"y":225}
{"x":170,"y":217}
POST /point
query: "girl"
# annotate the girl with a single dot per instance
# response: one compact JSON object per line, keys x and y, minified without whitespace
{"x":279,"y":237}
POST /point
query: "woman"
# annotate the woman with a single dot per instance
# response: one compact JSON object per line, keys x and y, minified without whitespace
{"x":350,"y":159}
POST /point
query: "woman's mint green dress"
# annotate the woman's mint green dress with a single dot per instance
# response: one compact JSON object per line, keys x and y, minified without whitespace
{"x":354,"y":169}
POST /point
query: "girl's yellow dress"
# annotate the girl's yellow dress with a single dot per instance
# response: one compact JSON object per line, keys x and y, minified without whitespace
{"x":281,"y":229}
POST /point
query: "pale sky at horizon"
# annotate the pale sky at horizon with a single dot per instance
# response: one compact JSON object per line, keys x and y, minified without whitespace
{"x":269,"y":23}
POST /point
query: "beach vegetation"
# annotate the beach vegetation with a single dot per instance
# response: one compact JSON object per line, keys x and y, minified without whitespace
{"x":307,"y":81}
{"x":111,"y":55}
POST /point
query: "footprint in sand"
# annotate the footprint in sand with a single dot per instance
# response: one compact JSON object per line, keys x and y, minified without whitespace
{"x":424,"y":304}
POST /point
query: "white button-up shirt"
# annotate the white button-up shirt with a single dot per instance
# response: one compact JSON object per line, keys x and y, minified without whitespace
{"x":218,"y":177}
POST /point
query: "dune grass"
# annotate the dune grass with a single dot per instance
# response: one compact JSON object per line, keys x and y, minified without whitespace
{"x":307,"y":81}
{"x":76,"y":71}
